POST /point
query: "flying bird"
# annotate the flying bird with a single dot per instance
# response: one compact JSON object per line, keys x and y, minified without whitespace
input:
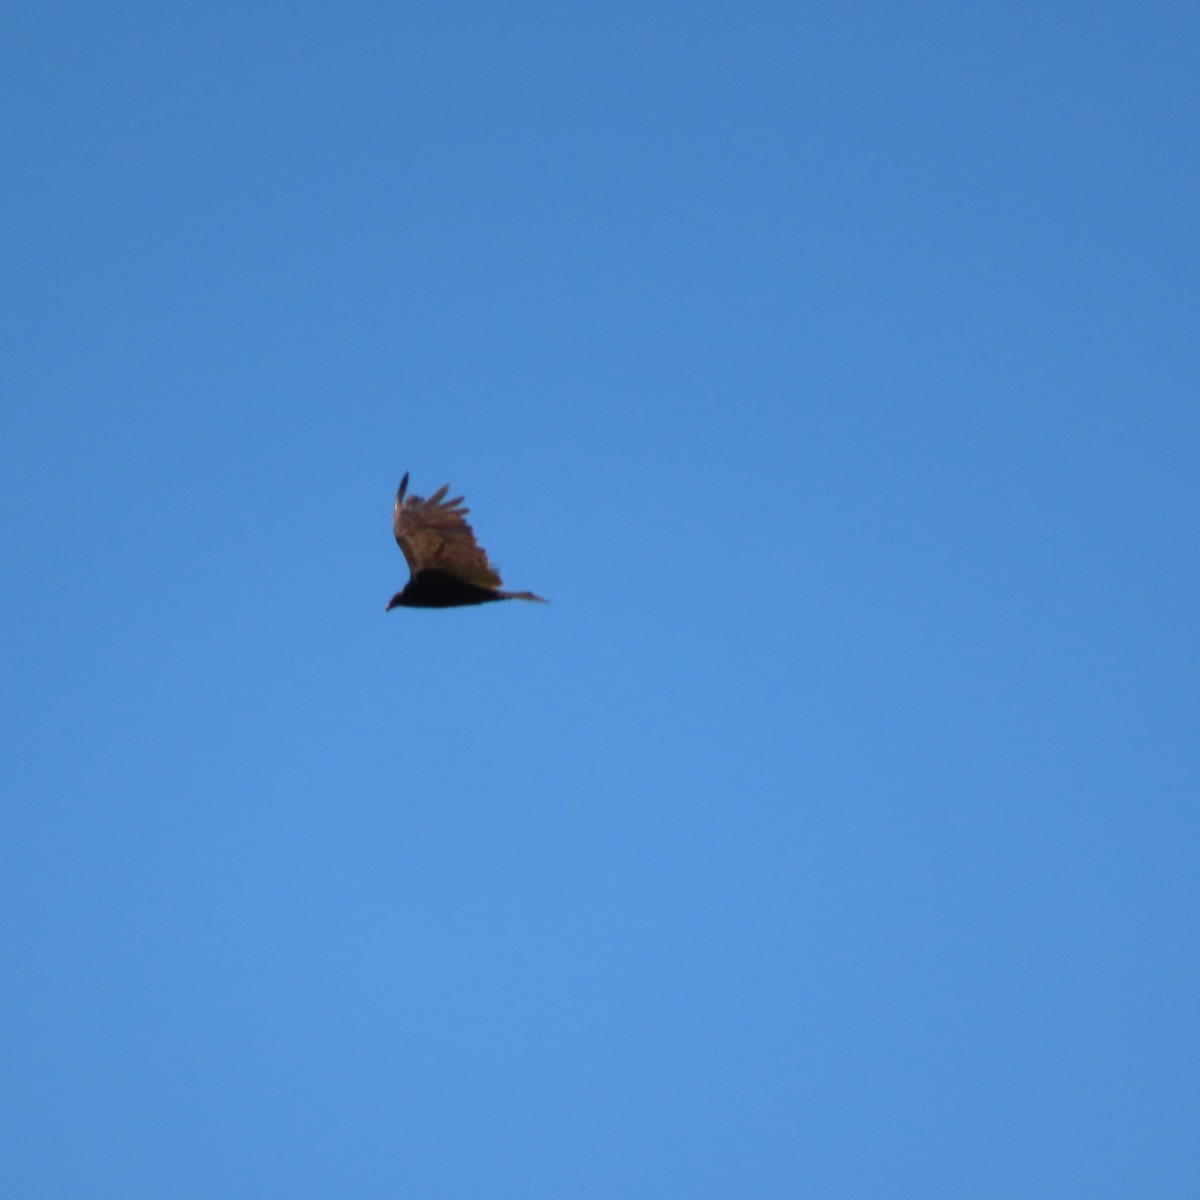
{"x":448,"y":567}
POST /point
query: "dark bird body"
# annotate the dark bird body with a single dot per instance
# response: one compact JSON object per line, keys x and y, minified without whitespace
{"x":448,"y":567}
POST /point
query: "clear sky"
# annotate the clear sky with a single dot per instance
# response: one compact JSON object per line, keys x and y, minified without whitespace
{"x":834,"y":369}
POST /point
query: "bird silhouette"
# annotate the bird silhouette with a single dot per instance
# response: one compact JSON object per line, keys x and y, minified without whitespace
{"x":448,"y":566}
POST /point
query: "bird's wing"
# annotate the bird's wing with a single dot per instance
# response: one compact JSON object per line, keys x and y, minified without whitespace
{"x":434,"y":535}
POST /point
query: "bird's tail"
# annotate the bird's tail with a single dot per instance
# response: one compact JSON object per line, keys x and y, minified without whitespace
{"x":523,"y":596}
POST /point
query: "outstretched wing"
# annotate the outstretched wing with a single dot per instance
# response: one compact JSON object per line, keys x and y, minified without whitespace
{"x":434,"y":535}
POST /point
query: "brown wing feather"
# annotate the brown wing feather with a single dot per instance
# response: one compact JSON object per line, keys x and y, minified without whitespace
{"x":434,"y":535}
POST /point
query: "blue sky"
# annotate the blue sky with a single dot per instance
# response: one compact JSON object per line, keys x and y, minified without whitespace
{"x":833,"y":369}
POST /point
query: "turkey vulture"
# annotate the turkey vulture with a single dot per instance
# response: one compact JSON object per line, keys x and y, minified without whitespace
{"x":448,"y":566}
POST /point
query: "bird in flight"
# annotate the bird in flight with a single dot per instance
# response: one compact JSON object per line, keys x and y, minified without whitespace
{"x":448,"y":567}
